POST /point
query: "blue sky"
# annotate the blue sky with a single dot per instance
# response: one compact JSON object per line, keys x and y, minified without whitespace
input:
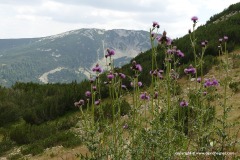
{"x":38,"y":18}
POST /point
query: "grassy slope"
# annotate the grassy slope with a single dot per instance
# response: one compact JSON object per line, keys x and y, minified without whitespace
{"x":234,"y":99}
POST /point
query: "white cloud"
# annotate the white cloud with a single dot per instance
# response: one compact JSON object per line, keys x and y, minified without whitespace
{"x":36,"y":18}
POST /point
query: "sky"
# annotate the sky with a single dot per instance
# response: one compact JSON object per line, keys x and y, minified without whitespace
{"x":40,"y":18}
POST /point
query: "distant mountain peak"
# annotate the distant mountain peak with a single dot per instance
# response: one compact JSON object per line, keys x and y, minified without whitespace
{"x":67,"y":56}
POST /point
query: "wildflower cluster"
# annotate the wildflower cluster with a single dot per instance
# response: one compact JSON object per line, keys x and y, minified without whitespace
{"x":211,"y":82}
{"x":162,"y":120}
{"x":190,"y":70}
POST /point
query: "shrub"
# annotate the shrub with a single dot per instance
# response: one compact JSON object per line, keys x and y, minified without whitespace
{"x":6,"y":145}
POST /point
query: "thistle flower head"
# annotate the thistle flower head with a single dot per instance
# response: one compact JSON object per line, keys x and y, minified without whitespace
{"x":80,"y":103}
{"x":94,"y":88}
{"x":179,"y":53}
{"x":88,"y":94}
{"x":97,"y":68}
{"x":91,"y":80}
{"x":157,"y":73}
{"x":215,"y":82}
{"x":136,"y":67}
{"x":155,"y":95}
{"x":225,"y":38}
{"x":205,"y":93}
{"x":199,"y":79}
{"x":110,"y":76}
{"x":110,"y":52}
{"x":124,"y":86}
{"x":97,"y":102}
{"x":183,"y":103}
{"x":211,"y":83}
{"x":144,"y":96}
{"x":139,"y":84}
{"x":203,"y":44}
{"x":190,"y":70}
{"x":194,"y":19}
{"x":220,"y":40}
{"x":155,"y":24}
{"x":121,"y":75}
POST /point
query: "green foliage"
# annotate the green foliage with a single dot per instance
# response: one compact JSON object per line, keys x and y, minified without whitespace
{"x":236,"y":60}
{"x":26,"y":133}
{"x":123,"y":106}
{"x":235,"y":86}
{"x":37,"y":103}
{"x":6,"y":145}
{"x":66,"y":139}
{"x":230,"y":10}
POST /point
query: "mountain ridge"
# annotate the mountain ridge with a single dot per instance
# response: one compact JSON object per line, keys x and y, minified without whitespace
{"x":75,"y":52}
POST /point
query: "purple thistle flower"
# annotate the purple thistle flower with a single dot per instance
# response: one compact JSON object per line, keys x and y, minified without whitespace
{"x":94,"y":88}
{"x":80,"y":103}
{"x":225,"y":38}
{"x":215,"y":82}
{"x":205,"y":93}
{"x":183,"y":103}
{"x":157,"y":73}
{"x":155,"y":95}
{"x":91,"y":80}
{"x":97,"y":102}
{"x":138,"y":67}
{"x":155,"y":24}
{"x":87,"y":93}
{"x":190,"y":70}
{"x":110,"y":76}
{"x":179,"y":53}
{"x":199,"y":79}
{"x":194,"y":19}
{"x":97,"y":69}
{"x":203,"y":44}
{"x":124,"y":86}
{"x":207,"y":83}
{"x":110,"y":53}
{"x":220,"y":40}
{"x":144,"y":96}
{"x":123,"y":76}
{"x":139,"y":84}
